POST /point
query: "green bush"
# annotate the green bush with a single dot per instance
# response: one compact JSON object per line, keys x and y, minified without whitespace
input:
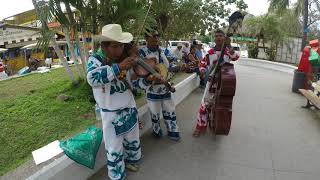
{"x":253,"y":51}
{"x":271,"y":53}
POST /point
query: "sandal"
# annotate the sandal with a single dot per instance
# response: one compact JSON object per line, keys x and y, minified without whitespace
{"x":140,"y":125}
{"x":196,"y":133}
{"x":132,"y":167}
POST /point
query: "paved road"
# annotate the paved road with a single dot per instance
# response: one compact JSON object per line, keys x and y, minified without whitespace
{"x":271,"y":138}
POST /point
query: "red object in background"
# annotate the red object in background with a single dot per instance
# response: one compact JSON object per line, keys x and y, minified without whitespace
{"x":1,"y":67}
{"x":305,"y":66}
{"x":315,"y":45}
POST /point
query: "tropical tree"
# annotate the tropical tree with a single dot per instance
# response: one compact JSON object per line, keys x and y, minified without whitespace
{"x":267,"y":28}
{"x":307,"y":9}
{"x":74,"y":29}
{"x":185,"y":18}
{"x":48,"y":36}
{"x":174,"y":18}
{"x":60,"y":16}
{"x":93,"y":14}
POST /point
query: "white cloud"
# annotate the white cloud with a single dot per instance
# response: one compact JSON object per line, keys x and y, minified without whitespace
{"x":257,"y":7}
{"x":12,"y":7}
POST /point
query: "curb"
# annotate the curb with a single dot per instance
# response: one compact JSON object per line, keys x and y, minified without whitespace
{"x":281,"y":67}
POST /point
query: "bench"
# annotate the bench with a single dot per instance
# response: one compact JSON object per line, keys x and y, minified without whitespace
{"x":312,"y":96}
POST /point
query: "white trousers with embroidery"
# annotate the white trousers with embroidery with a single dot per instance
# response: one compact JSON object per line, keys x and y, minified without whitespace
{"x":119,"y":149}
{"x":167,"y":108}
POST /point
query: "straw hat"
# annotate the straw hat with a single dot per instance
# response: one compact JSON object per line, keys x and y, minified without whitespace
{"x":113,"y":32}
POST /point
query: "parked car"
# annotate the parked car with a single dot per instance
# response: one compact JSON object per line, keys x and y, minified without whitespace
{"x":244,"y":51}
{"x":236,"y":47}
{"x":244,"y":54}
{"x":173,"y":44}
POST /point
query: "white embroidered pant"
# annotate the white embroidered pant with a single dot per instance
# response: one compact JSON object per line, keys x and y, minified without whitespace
{"x":119,"y":149}
{"x":167,"y":108}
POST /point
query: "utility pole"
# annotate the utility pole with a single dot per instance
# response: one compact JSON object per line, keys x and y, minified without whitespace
{"x":305,"y":24}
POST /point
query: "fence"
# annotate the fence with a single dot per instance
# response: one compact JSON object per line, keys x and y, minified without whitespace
{"x":290,"y":51}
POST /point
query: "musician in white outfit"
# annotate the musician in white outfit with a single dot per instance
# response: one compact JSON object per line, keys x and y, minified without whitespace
{"x":158,"y":97}
{"x":117,"y":104}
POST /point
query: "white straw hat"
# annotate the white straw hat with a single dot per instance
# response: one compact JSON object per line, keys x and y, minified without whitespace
{"x":113,"y":32}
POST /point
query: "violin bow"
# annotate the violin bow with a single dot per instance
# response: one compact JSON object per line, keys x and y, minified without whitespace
{"x":143,"y":23}
{"x":146,"y":66}
{"x":123,"y":74}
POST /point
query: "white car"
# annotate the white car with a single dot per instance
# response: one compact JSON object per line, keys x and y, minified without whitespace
{"x":244,"y":54}
{"x":241,"y":50}
{"x":244,"y":51}
{"x":236,"y":47}
{"x":173,"y":44}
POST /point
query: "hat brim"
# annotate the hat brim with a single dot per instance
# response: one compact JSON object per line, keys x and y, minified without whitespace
{"x":124,"y":38}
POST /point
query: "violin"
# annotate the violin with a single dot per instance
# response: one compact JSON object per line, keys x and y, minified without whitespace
{"x":141,"y":64}
{"x":147,"y":67}
{"x":152,"y":62}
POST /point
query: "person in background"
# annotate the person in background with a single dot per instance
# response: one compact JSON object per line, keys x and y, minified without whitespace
{"x":194,"y":65}
{"x":3,"y":74}
{"x":179,"y":52}
{"x":33,"y":63}
{"x":186,"y":49}
{"x":48,"y":62}
{"x":169,"y":55}
{"x":192,"y":57}
{"x":199,"y":54}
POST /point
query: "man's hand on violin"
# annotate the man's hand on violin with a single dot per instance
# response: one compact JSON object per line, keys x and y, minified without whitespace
{"x":127,"y":63}
{"x":154,"y":79}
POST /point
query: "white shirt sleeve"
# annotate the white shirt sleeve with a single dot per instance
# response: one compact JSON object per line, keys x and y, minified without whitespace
{"x":165,"y":60}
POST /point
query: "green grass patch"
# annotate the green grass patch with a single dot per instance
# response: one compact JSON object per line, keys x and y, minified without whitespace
{"x":31,"y":116}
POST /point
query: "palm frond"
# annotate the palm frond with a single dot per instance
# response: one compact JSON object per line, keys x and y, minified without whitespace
{"x":57,"y":12}
{"x":299,"y":7}
{"x":44,"y":15}
{"x":278,"y":6}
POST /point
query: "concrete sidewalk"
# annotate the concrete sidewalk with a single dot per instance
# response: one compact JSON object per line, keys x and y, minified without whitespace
{"x":271,"y":138}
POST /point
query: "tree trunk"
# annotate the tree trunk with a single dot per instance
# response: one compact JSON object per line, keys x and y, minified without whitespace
{"x":305,"y":24}
{"x":276,"y":52}
{"x":45,"y":27}
{"x":94,"y":6}
{"x":76,"y":35}
{"x":84,"y":44}
{"x":81,"y":50}
{"x":71,"y":49}
{"x":63,"y":60}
